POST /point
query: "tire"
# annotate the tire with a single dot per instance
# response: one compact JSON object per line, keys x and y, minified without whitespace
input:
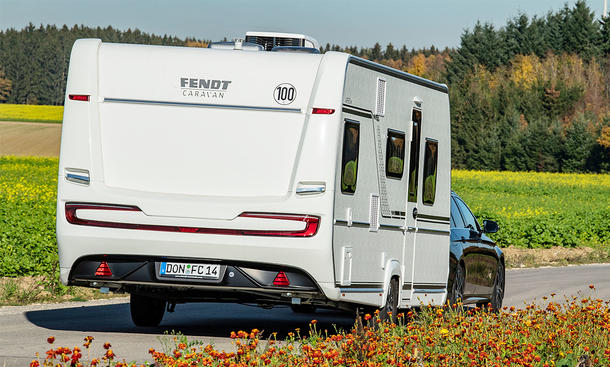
{"x":457,"y":288}
{"x":497,"y":295}
{"x":391,"y":303}
{"x":146,"y":311}
{"x":303,"y":308}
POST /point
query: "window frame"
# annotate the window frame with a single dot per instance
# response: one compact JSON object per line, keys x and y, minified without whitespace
{"x":476,"y":222}
{"x":396,"y":134}
{"x":346,"y":124}
{"x":414,"y":151}
{"x":458,"y":212}
{"x":425,"y":173}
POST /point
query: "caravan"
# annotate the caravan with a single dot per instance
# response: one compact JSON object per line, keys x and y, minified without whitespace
{"x":258,"y":172}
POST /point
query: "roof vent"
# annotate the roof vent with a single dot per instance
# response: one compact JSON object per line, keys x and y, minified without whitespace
{"x":269,"y":40}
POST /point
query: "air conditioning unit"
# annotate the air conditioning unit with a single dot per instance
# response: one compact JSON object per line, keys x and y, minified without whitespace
{"x":270,"y":40}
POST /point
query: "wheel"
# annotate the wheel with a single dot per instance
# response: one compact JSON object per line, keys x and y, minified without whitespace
{"x":303,"y":308}
{"x":391,"y":303}
{"x":457,"y":288}
{"x":146,"y":311}
{"x":497,"y":295}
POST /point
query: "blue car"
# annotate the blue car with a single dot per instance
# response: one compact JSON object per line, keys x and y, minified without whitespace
{"x":476,"y":266}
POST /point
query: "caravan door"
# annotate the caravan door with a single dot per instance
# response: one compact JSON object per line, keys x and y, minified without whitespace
{"x":427,"y":218}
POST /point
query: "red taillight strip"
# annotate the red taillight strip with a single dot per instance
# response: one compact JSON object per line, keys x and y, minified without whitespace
{"x":79,"y":97}
{"x":311,"y":222}
{"x":322,"y":111}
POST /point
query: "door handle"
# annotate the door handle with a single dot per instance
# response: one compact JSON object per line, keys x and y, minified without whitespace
{"x":414,"y":213}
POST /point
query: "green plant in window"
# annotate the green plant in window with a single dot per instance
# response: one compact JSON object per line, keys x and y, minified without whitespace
{"x":430,"y":188}
{"x":348,"y":182}
{"x":395,"y":165}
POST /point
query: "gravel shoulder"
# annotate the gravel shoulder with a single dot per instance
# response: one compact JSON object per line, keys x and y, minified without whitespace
{"x":30,"y":138}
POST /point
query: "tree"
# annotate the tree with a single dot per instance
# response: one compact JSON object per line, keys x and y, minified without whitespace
{"x":581,"y":34}
{"x":577,"y":146}
{"x":376,"y":52}
{"x":5,"y":85}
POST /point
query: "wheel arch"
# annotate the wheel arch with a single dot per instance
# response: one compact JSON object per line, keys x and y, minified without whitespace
{"x":392,"y":270}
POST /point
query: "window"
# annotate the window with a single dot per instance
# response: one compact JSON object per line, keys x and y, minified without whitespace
{"x":456,"y":217}
{"x":469,"y":220}
{"x":349,"y":161}
{"x":414,"y":157}
{"x":430,"y":166}
{"x":395,"y":154}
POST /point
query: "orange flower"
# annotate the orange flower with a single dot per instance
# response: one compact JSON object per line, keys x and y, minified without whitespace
{"x":34,"y":363}
{"x":107,"y":345}
{"x":51,"y":339}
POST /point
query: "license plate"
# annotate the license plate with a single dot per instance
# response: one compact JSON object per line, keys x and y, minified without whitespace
{"x":189,"y":270}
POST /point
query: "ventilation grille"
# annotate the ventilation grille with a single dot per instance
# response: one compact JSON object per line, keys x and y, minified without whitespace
{"x":374,"y":213}
{"x":380,"y":101}
{"x":270,"y":42}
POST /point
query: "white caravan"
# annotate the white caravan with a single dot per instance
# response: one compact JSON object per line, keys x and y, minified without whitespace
{"x":243,"y":175}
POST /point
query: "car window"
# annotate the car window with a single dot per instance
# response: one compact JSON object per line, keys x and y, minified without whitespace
{"x":467,"y":215}
{"x":456,"y":217}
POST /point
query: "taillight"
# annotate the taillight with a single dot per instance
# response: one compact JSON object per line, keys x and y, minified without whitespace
{"x":323,"y":111}
{"x":103,"y":270}
{"x":79,"y":97}
{"x":311,"y":222}
{"x":281,"y":280}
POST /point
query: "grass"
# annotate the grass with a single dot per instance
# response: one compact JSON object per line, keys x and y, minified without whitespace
{"x":561,"y":332}
{"x":35,"y":113}
{"x":540,"y":210}
{"x":26,"y":290}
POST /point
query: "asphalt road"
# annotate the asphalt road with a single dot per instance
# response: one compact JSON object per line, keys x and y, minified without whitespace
{"x":24,"y":329}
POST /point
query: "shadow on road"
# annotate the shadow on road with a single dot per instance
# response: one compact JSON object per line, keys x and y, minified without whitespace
{"x":197,"y":319}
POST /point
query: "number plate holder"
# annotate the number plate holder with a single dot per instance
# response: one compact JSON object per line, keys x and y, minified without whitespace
{"x":182,"y":271}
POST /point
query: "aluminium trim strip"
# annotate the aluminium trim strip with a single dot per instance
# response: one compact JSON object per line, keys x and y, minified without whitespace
{"x":357,"y":111}
{"x":361,"y":290}
{"x":364,"y":224}
{"x":433,"y":217}
{"x":421,"y":290}
{"x":204,"y":105}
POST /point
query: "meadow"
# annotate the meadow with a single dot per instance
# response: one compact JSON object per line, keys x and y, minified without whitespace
{"x":533,"y":209}
{"x":562,"y":332}
{"x":36,"y":113}
{"x":540,"y":209}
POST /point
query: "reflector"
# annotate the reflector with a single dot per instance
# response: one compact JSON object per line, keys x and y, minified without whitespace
{"x":281,"y":280}
{"x":79,"y":97}
{"x":322,"y":111}
{"x":103,"y":270}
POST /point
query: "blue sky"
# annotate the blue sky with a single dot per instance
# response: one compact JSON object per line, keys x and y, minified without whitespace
{"x":356,"y":22}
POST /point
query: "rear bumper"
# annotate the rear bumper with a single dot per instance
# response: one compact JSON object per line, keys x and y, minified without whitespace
{"x":238,"y":281}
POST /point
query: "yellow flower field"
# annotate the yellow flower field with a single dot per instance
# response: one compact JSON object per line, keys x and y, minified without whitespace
{"x":540,"y":209}
{"x":21,"y":112}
